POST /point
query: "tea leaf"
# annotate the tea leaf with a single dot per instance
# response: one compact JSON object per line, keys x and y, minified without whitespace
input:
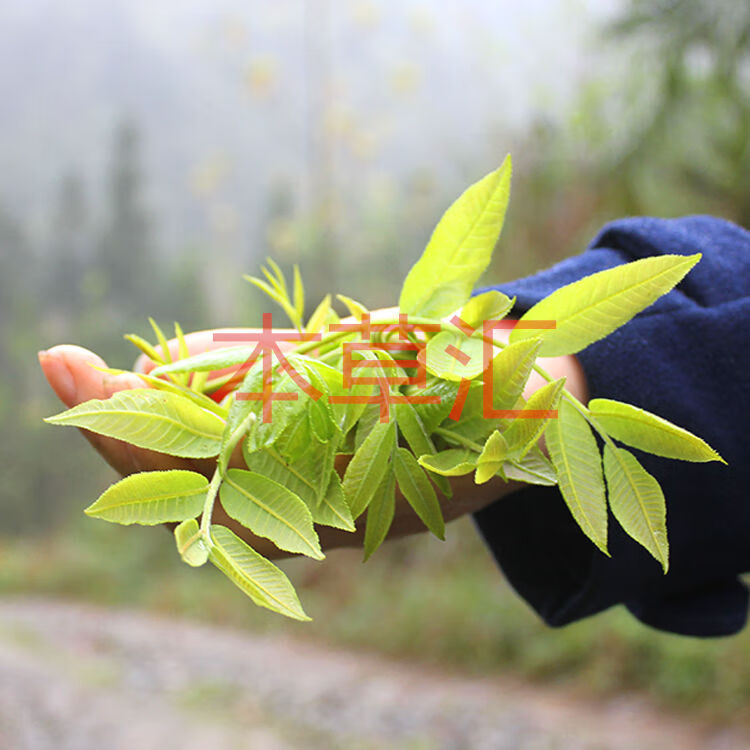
{"x":525,"y":431}
{"x":637,"y":502}
{"x":299,"y":298}
{"x":152,"y":497}
{"x":492,"y":305}
{"x":145,"y":347}
{"x":156,"y":420}
{"x":591,"y":308}
{"x":641,"y":429}
{"x":460,"y":248}
{"x":190,"y":543}
{"x":454,"y":356}
{"x":380,"y":514}
{"x":320,"y":316}
{"x":217,"y":359}
{"x":356,"y":309}
{"x":491,"y":458}
{"x":416,"y":488}
{"x":533,"y":468}
{"x":575,"y":456}
{"x":510,"y":371}
{"x":259,"y":578}
{"x":453,"y":462}
{"x":270,"y":510}
{"x":332,"y":508}
{"x":367,"y":467}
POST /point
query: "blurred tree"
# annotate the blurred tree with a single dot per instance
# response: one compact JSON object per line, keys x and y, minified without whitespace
{"x":126,"y":255}
{"x":68,"y":249}
{"x":695,"y":138}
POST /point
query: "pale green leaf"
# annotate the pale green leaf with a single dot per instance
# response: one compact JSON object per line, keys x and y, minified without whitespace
{"x":510,"y":371}
{"x":259,"y":578}
{"x":319,"y":317}
{"x":380,"y":514}
{"x":454,"y":356}
{"x":525,"y":431}
{"x":648,"y":432}
{"x":453,"y":462}
{"x":145,"y":347}
{"x":418,"y":439}
{"x":152,"y":497}
{"x":299,"y":296}
{"x":575,"y":456}
{"x":367,"y":466}
{"x":216,"y":359}
{"x":166,"y":354}
{"x":460,"y":248}
{"x":492,"y":305}
{"x":190,"y":543}
{"x":332,"y":508}
{"x":432,"y":414}
{"x":155,"y":420}
{"x":270,"y":510}
{"x":416,"y":488}
{"x":591,"y":308}
{"x":491,"y":458}
{"x":533,"y":468}
{"x":637,"y":502}
{"x":356,"y":309}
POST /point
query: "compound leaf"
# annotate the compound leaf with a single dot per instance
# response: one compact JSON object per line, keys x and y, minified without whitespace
{"x":416,"y":488}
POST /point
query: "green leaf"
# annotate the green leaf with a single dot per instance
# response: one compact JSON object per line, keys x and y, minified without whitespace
{"x":416,"y":488}
{"x":259,"y":578}
{"x":162,"y":339}
{"x":641,"y":429}
{"x":453,"y":462}
{"x":575,"y":456}
{"x":380,"y":514}
{"x":332,"y":508}
{"x":152,"y":497}
{"x":460,"y":248}
{"x":299,"y":297}
{"x":356,"y":309}
{"x":367,"y":466}
{"x":320,"y":316}
{"x":492,"y":305}
{"x":637,"y":502}
{"x":491,"y":458}
{"x":155,"y":420}
{"x":525,"y":431}
{"x":534,"y":468}
{"x":591,"y":308}
{"x":418,"y":439}
{"x":190,"y":543}
{"x":510,"y":371}
{"x":454,"y":356}
{"x":145,"y":347}
{"x":217,"y":359}
{"x":432,"y":414}
{"x":270,"y":510}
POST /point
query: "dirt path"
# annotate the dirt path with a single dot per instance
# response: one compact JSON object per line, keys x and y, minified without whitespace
{"x":74,"y":677}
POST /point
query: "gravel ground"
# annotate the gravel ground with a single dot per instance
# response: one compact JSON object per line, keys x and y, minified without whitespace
{"x":75,"y":677}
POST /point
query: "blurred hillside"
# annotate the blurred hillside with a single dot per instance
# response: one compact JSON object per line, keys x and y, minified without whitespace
{"x":149,"y":153}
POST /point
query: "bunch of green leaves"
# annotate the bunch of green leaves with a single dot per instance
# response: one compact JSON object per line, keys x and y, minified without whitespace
{"x":290,"y":483}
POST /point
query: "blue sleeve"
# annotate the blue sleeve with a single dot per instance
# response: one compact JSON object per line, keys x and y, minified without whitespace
{"x":686,"y":358}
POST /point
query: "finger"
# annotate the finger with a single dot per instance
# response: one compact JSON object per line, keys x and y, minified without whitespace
{"x":70,"y":371}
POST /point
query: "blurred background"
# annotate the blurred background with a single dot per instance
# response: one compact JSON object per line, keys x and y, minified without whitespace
{"x":151,"y":153}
